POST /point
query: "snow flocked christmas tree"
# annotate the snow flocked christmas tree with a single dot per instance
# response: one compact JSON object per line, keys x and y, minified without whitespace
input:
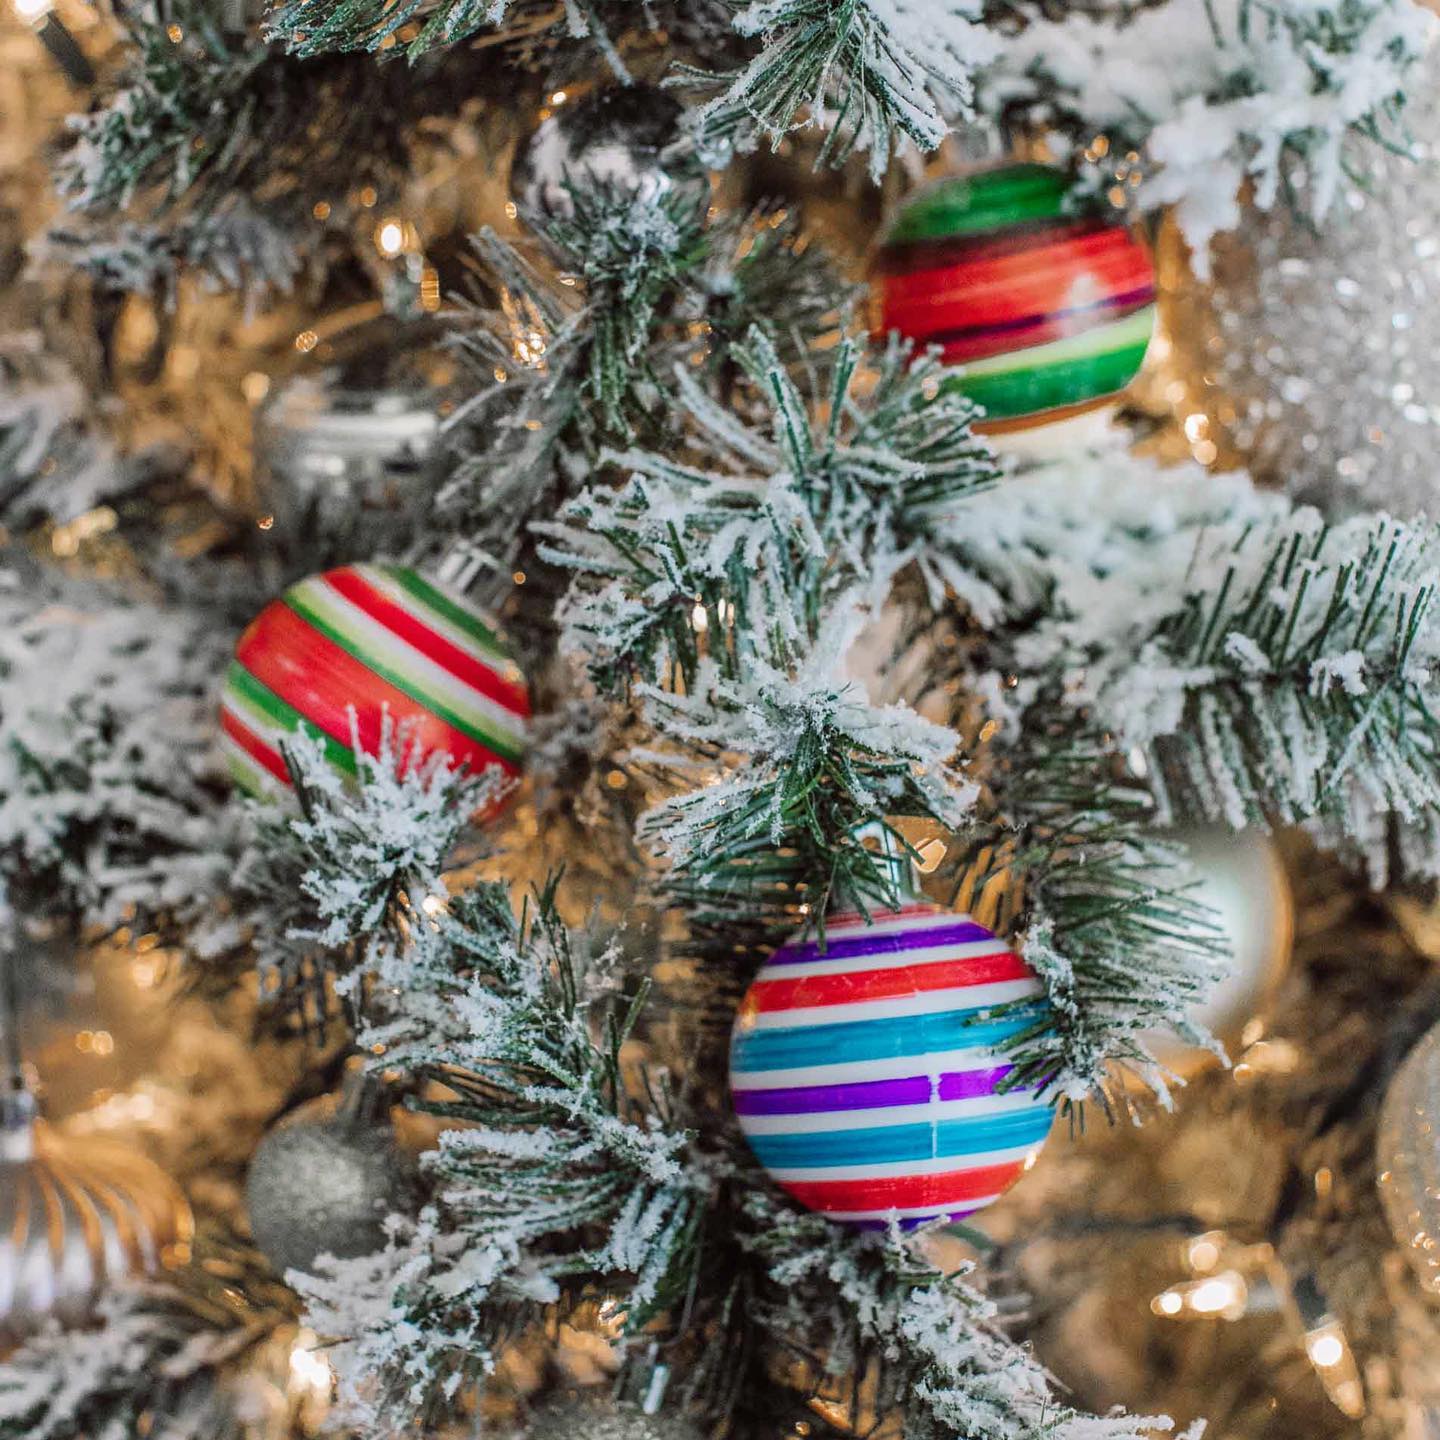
{"x":701,"y":737}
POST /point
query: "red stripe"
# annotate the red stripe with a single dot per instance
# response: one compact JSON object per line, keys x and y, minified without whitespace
{"x":902,"y":1192}
{"x":316,"y":677}
{"x":915,"y":979}
{"x":261,"y":753}
{"x":854,"y":920}
{"x":994,"y":292}
{"x":417,"y":634}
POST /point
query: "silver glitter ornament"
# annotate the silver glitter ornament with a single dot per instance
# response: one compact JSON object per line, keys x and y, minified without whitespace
{"x":1313,"y":357}
{"x":1407,"y":1158}
{"x":326,"y":1177}
{"x":343,"y":444}
{"x":627,"y":137}
{"x":77,"y":1215}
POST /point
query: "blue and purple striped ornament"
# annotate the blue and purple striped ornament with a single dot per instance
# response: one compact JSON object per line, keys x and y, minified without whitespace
{"x":869,"y":1076}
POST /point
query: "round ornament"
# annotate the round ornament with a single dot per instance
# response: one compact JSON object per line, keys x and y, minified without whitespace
{"x":1242,"y":881}
{"x":367,"y":642}
{"x":867,"y":1075}
{"x":626,"y":137}
{"x":1041,"y":302}
{"x":1407,"y":1158}
{"x":78,"y":1215}
{"x":323,"y":1181}
{"x":343,"y":443}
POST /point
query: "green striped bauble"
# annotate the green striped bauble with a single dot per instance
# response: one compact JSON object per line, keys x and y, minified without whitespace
{"x":341,"y":654}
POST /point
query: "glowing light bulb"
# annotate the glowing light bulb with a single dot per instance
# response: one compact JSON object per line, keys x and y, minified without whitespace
{"x":389,"y":238}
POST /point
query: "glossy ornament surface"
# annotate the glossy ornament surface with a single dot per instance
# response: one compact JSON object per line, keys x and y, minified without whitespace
{"x":868,"y":1077}
{"x":1407,"y":1158}
{"x":378,"y":641}
{"x":1044,"y":304}
{"x":77,"y":1215}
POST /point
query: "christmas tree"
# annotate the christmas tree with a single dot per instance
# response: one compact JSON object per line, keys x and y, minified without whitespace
{"x":722,"y":720}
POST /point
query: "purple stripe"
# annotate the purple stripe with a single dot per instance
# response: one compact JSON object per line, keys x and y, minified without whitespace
{"x":1128,"y":301}
{"x":914,"y":1222}
{"x":870,"y":1094}
{"x":839,"y":948}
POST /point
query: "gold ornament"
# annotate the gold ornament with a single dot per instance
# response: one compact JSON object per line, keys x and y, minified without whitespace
{"x":77,"y":1215}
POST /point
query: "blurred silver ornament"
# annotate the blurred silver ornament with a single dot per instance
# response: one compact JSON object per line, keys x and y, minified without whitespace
{"x":1313,"y":356}
{"x":77,"y":1215}
{"x":1407,"y":1158}
{"x":1242,"y":881}
{"x":326,"y":1177}
{"x":344,"y":443}
{"x":626,"y":137}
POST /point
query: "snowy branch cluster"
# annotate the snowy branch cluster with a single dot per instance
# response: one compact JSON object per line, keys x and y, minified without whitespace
{"x":1215,"y":94}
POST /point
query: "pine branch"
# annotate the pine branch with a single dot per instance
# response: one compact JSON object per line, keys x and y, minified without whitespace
{"x":1216,"y":95}
{"x":565,"y":1170}
{"x":872,"y":73}
{"x":213,"y":152}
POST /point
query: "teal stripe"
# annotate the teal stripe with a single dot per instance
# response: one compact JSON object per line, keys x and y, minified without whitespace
{"x":794,"y":1047}
{"x":890,"y":1144}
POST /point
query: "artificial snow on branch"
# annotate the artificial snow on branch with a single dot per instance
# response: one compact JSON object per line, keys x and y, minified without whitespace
{"x":1213,"y":93}
{"x":108,"y":793}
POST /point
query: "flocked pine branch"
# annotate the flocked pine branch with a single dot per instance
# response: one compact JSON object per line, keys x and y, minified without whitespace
{"x":1212,"y":94}
{"x":871,"y":74}
{"x":580,"y":350}
{"x":725,"y":598}
{"x":1254,"y":662}
{"x":936,"y":1347}
{"x":216,"y":152}
{"x":335,"y":888}
{"x":108,"y":794}
{"x":563,"y":1172}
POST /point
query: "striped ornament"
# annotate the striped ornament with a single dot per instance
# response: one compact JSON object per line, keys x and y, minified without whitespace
{"x":867,"y":1077}
{"x":379,"y":640}
{"x":1044,"y":307}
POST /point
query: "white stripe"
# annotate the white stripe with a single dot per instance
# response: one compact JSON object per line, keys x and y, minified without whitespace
{"x":899,"y":1169}
{"x":261,"y":778}
{"x":255,"y":721}
{"x":815,"y":1123}
{"x":889,"y":923}
{"x":891,"y":1067}
{"x":892,"y":1007}
{"x":890,"y":960}
{"x":461,"y":639}
{"x":419,"y":670}
{"x":915,"y":1212}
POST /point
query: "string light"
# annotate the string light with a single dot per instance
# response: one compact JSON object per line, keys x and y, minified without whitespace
{"x":390,"y":238}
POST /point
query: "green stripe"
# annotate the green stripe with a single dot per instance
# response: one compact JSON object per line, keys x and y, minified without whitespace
{"x":260,"y":700}
{"x":494,"y":742}
{"x":1072,"y":382}
{"x":445,"y":606}
{"x":1124,"y":333}
{"x":989,"y":200}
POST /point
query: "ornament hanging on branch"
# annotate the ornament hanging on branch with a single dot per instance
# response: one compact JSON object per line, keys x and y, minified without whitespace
{"x":626,"y":137}
{"x":78,"y":1215}
{"x":344,"y":444}
{"x":364,"y":645}
{"x":1041,"y":300}
{"x":867,"y":1073}
{"x":1407,"y":1158}
{"x":323,"y":1181}
{"x":1242,"y":882}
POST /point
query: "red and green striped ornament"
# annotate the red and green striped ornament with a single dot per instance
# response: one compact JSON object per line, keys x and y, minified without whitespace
{"x":375,"y":641}
{"x":1042,"y":303}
